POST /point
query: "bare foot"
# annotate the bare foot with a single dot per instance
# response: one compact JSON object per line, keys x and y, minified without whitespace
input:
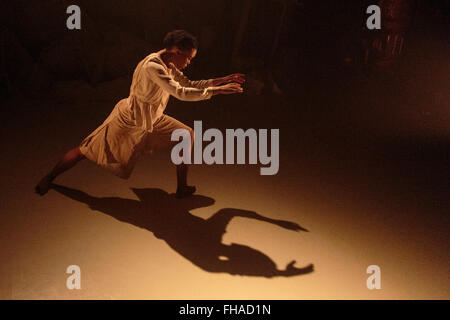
{"x":185,"y":191}
{"x":44,"y":185}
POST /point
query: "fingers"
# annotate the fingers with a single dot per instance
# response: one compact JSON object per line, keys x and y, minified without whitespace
{"x":233,"y":90}
{"x":236,"y":77}
{"x":235,"y":87}
{"x":239,"y":77}
{"x":230,"y":88}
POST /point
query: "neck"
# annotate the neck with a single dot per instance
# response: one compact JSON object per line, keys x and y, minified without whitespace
{"x":166,"y":56}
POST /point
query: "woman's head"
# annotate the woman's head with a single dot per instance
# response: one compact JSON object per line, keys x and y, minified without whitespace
{"x":181,"y":39}
{"x":183,"y":47}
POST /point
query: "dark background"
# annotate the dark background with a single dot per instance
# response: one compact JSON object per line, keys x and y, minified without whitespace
{"x":322,"y":77}
{"x":317,"y":39}
{"x":364,"y":115}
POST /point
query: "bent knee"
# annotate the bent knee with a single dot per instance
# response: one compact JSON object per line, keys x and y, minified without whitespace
{"x":78,"y":154}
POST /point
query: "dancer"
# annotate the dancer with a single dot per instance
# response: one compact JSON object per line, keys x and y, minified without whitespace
{"x":137,"y":125}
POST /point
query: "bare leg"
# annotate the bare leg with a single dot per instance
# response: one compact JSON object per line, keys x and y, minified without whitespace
{"x":69,"y":160}
{"x":183,"y":190}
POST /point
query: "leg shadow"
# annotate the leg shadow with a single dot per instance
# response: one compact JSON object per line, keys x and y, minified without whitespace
{"x":198,"y":240}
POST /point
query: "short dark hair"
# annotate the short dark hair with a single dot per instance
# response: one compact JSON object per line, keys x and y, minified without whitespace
{"x":180,"y":38}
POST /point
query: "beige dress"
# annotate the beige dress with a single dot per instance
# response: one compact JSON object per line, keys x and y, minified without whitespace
{"x":138,"y":123}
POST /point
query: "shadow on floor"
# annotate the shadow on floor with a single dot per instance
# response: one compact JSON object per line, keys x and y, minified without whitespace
{"x":198,"y":240}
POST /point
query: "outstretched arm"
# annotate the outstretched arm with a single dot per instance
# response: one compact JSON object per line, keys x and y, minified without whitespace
{"x":235,"y":77}
{"x":202,"y":84}
{"x":224,"y":216}
{"x":186,"y":82}
{"x":159,"y":75}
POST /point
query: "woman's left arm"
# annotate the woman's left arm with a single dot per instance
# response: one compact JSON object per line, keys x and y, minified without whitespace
{"x":202,"y":84}
{"x":235,"y":77}
{"x":186,"y":82}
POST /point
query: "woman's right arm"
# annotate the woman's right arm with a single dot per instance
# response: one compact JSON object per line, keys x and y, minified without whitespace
{"x":159,"y":75}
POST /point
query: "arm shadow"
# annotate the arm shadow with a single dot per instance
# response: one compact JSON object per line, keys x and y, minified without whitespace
{"x":196,"y":239}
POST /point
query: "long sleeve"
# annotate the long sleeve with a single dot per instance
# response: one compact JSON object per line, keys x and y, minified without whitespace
{"x":160,"y":76}
{"x":184,"y":81}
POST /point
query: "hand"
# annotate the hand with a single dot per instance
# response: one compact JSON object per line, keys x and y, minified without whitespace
{"x":291,"y":270}
{"x":235,"y":77}
{"x":229,"y":88}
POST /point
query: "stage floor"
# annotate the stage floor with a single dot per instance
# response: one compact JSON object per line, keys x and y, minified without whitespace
{"x":366,"y":197}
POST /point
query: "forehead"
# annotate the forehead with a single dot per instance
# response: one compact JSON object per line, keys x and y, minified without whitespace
{"x":189,"y":53}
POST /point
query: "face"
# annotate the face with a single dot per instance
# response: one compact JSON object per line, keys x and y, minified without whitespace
{"x":182,"y":58}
